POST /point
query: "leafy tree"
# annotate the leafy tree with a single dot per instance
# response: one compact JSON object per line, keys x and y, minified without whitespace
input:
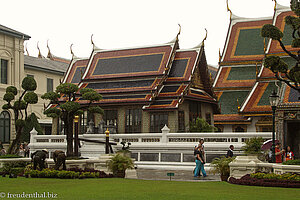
{"x":275,"y":63}
{"x":200,"y":125}
{"x":65,"y":106}
{"x":253,"y":146}
{"x":24,"y":123}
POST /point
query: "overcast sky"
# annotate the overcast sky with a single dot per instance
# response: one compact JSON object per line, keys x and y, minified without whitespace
{"x":126,"y":23}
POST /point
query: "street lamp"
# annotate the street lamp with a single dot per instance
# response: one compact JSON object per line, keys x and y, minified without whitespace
{"x":274,"y":100}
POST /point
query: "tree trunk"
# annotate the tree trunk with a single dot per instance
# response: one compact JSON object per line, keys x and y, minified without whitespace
{"x":13,"y":147}
{"x":69,"y":134}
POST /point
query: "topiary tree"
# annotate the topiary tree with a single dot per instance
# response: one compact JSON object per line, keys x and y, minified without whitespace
{"x":65,"y":105}
{"x":200,"y":125}
{"x":275,"y":63}
{"x":24,"y":123}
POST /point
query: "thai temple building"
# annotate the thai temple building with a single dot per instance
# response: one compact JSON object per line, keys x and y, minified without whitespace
{"x":243,"y":85}
{"x":145,"y":88}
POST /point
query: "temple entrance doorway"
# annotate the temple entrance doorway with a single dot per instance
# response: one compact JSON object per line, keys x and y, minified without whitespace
{"x":293,"y":137}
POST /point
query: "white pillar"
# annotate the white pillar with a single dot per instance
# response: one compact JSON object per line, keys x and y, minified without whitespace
{"x":32,"y":134}
{"x":165,"y":131}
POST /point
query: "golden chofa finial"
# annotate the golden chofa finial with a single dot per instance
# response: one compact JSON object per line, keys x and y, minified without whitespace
{"x":228,"y":9}
{"x":202,"y":43}
{"x":72,"y":53}
{"x":220,"y":56}
{"x":275,"y":6}
{"x":92,"y":40}
{"x":40,"y":54}
{"x":179,"y":31}
{"x":49,"y":52}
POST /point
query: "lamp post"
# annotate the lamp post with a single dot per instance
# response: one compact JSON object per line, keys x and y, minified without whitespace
{"x":107,"y":141}
{"x":274,"y":100}
{"x":76,"y":141}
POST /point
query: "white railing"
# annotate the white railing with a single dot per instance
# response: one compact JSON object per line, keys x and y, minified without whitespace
{"x":156,"y":147}
{"x":49,"y":142}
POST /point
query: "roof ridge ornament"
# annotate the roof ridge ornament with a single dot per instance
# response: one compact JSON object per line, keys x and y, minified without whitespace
{"x":228,"y":9}
{"x":40,"y":54}
{"x":94,"y":46}
{"x":72,"y":53}
{"x":50,"y":56}
{"x":275,"y":6}
{"x":176,"y":38}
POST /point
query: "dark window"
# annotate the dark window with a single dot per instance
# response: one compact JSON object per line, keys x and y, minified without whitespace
{"x":208,"y":118}
{"x":3,"y":71}
{"x":4,"y":127}
{"x":158,"y":121}
{"x":195,"y":110}
{"x":133,"y":121}
{"x":181,"y":125}
{"x":110,"y":117}
{"x":49,"y":85}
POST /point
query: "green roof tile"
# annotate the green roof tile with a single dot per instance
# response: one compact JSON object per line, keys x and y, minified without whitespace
{"x":249,"y":43}
{"x":228,"y":101}
{"x":264,"y":100}
{"x":242,"y":73}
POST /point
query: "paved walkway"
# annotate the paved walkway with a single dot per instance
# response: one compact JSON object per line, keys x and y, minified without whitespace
{"x":179,"y":175}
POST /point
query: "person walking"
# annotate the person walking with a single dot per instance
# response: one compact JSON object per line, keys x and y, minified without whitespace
{"x":199,"y":163}
{"x":230,"y":152}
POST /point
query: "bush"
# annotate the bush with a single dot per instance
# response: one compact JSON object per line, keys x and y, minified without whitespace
{"x":8,"y":166}
{"x":10,"y":156}
{"x":253,"y":146}
{"x":221,"y":165}
{"x":291,"y":162}
{"x":119,"y":163}
{"x":69,"y":174}
{"x":272,"y":180}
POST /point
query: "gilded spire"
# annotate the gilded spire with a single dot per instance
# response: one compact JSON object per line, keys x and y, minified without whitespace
{"x":49,"y":52}
{"x":40,"y":54}
{"x":220,"y":56}
{"x":228,"y":9}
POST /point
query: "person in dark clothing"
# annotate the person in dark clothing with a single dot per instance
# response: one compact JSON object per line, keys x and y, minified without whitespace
{"x":59,"y":158}
{"x":230,"y":152}
{"x":38,"y":159}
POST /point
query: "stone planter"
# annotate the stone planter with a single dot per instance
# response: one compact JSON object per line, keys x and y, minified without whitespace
{"x":243,"y":165}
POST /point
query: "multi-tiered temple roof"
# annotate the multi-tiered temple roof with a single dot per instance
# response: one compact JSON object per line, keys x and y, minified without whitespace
{"x":157,"y":77}
{"x":242,"y":84}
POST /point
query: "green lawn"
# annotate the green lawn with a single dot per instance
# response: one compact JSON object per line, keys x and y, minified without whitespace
{"x":128,"y":189}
